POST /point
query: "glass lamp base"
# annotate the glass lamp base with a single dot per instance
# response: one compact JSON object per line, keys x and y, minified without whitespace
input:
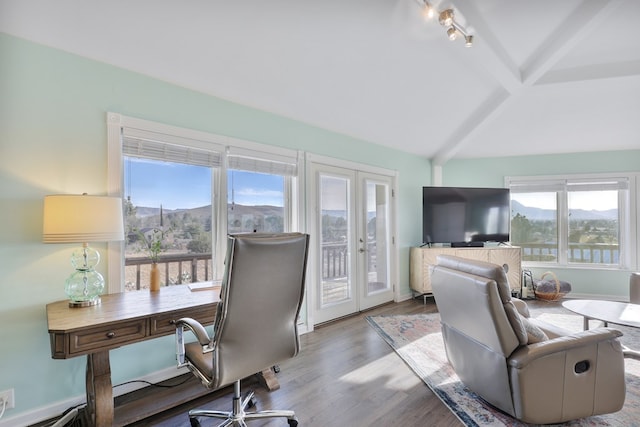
{"x":85,"y":285}
{"x":88,"y":303}
{"x":84,"y":288}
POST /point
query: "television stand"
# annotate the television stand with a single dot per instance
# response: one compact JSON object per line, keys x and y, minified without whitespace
{"x":467,"y":244}
{"x":421,"y":261}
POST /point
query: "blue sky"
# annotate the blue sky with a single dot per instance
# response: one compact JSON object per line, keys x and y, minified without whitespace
{"x":174,"y":185}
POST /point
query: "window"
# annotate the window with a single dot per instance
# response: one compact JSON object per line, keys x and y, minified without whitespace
{"x":255,"y":202}
{"x":173,"y":180}
{"x":571,"y":220}
{"x":168,"y":203}
{"x":260,"y":192}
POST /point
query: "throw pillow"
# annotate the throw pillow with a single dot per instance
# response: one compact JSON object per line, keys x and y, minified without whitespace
{"x":534,"y":333}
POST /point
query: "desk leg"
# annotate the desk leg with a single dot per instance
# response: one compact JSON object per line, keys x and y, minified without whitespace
{"x":269,"y":380}
{"x":99,"y":390}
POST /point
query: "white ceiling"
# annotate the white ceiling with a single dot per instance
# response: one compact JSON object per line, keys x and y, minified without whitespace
{"x":542,"y":77}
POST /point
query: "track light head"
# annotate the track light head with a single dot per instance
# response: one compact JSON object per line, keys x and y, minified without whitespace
{"x":468,"y":40}
{"x":428,"y":12}
{"x":446,"y":17}
{"x":452,"y":33}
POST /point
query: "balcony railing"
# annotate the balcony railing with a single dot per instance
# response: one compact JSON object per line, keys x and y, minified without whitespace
{"x":335,"y":260}
{"x":189,"y":268}
{"x":589,"y":253}
{"x":174,"y":269}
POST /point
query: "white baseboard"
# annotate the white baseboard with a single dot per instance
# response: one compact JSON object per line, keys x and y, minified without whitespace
{"x":56,"y":409}
{"x":404,"y":297}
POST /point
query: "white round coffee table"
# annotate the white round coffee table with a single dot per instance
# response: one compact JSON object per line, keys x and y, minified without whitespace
{"x":619,"y":313}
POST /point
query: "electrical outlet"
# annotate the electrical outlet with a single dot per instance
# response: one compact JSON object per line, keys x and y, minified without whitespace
{"x":7,"y":396}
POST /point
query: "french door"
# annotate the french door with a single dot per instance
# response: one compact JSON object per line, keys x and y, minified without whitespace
{"x":352,"y":243}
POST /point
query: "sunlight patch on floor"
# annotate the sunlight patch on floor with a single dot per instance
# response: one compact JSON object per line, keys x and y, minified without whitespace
{"x":378,"y":371}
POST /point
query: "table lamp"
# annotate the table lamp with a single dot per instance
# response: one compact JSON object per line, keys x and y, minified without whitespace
{"x":83,"y":219}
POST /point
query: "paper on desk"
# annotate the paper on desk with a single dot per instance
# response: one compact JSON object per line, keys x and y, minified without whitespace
{"x":204,"y":286}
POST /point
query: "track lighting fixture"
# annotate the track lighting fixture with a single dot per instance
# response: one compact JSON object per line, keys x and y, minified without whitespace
{"x":447,"y":19}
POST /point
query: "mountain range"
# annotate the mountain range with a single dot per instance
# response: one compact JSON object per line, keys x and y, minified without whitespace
{"x":205,"y":211}
{"x":537,"y":214}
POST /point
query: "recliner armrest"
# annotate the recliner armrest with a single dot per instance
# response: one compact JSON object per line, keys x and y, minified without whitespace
{"x":528,"y":353}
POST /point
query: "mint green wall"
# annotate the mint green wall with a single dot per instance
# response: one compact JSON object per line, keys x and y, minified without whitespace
{"x":490,"y":172}
{"x":53,"y":140}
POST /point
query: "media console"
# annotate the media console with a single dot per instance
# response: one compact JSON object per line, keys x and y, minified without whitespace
{"x":422,"y":258}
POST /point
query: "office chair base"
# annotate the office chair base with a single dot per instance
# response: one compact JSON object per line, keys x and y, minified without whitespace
{"x":238,"y":416}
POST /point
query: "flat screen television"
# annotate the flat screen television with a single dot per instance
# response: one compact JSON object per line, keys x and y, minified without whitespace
{"x":465,"y":216}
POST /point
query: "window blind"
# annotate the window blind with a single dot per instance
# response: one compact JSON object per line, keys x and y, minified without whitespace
{"x":170,"y":148}
{"x":535,"y":187}
{"x":604,"y":185}
{"x":262,"y":162}
{"x":568,"y":185}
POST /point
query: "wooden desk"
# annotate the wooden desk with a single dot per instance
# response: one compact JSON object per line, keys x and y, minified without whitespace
{"x":121,"y":319}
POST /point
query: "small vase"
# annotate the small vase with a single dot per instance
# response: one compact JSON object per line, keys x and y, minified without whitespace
{"x":154,"y":284}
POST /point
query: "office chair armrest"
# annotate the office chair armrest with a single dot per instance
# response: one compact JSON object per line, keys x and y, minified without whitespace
{"x":194,"y":326}
{"x":198,"y":330}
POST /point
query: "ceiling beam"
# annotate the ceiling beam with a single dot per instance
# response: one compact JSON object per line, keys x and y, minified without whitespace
{"x":489,"y":52}
{"x":580,"y":23}
{"x":487,"y":49}
{"x":478,"y":120}
{"x":592,"y":72}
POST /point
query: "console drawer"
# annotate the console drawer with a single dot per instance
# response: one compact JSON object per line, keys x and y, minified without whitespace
{"x":165,"y":324}
{"x":107,"y":337}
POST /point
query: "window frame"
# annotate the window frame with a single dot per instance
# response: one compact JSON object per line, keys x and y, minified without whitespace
{"x":118,"y":125}
{"x":627,"y":214}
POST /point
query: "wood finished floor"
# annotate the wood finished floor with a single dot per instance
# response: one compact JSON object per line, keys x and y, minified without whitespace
{"x":345,"y":375}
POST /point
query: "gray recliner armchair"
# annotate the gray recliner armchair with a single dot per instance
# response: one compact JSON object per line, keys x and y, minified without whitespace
{"x":533,"y":371}
{"x":256,"y":320}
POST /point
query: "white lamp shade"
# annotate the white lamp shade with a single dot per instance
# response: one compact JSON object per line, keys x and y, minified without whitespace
{"x":82,"y":219}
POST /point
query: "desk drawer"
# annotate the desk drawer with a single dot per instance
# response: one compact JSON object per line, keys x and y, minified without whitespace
{"x":165,"y":324}
{"x":106,"y":337}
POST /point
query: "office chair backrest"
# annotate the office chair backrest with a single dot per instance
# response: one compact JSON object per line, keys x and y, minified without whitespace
{"x":262,"y":292}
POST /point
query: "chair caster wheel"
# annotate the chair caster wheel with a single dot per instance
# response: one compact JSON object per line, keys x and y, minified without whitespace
{"x":293,"y":423}
{"x":276,"y":369}
{"x":194,"y":422}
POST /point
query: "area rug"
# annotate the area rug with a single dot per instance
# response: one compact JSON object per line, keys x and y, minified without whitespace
{"x":418,"y":341}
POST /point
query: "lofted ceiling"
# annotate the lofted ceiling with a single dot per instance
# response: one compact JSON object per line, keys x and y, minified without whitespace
{"x":543,"y":77}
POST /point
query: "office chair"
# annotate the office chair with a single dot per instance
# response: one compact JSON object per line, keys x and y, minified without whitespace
{"x":256,"y":321}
